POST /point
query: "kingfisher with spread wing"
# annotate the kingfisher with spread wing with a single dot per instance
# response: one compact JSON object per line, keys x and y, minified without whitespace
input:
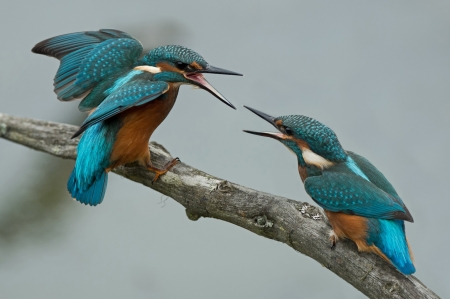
{"x":127,"y":97}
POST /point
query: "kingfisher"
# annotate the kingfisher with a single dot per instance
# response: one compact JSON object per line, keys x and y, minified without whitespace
{"x":127,"y":96}
{"x":358,"y":200}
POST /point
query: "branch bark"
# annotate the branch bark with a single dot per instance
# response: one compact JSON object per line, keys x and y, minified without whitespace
{"x":270,"y":216}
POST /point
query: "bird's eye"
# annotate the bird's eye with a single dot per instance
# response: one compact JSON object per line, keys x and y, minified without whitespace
{"x":288,"y":131}
{"x":181,"y":65}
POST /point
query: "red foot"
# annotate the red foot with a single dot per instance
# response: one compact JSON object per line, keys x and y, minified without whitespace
{"x":158,"y":172}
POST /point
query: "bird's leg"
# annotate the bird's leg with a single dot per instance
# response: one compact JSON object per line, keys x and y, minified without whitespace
{"x":160,"y":171}
{"x":333,"y":238}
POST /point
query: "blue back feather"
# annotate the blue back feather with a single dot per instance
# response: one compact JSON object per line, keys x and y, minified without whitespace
{"x":354,"y":167}
{"x":340,"y":189}
{"x":132,"y":93}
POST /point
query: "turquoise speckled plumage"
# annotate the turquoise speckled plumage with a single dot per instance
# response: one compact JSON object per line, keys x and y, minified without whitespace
{"x":128,"y":98}
{"x":359,"y":201}
{"x":168,"y":53}
{"x":136,"y":91}
{"x":322,"y":139}
{"x":88,"y":58}
{"x":340,"y":189}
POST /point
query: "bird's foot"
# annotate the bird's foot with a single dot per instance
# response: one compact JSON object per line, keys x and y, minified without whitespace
{"x":159,"y":172}
{"x":333,"y":238}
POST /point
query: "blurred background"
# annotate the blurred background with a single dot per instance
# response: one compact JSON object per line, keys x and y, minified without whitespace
{"x":377,"y":73}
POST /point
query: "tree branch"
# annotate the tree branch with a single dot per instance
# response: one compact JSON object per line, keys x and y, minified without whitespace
{"x":270,"y":216}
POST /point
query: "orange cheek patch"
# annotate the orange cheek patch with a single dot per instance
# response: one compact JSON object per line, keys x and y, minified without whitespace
{"x":196,"y":66}
{"x":301,"y":144}
{"x":164,"y":66}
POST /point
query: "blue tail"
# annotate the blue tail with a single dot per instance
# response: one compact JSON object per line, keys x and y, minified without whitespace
{"x":89,"y":178}
{"x":389,"y":237}
{"x":94,"y":194}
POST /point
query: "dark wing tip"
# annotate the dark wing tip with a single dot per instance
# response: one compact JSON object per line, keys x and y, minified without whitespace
{"x":39,"y":48}
{"x":406,"y":216}
{"x":35,"y":49}
{"x":80,"y":131}
{"x":409,"y":216}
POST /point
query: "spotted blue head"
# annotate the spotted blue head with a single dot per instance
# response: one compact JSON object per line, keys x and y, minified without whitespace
{"x":182,"y":65}
{"x":312,"y":142}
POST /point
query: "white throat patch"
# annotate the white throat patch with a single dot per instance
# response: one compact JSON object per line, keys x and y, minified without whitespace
{"x":312,"y":158}
{"x":148,"y":68}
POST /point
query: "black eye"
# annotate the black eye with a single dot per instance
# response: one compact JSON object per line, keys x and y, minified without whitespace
{"x":181,"y":65}
{"x":288,"y":131}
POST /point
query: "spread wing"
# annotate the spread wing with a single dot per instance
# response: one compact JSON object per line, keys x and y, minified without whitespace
{"x":134,"y":93}
{"x":86,"y":58}
{"x":340,"y":190}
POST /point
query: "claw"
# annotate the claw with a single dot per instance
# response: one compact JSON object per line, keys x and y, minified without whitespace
{"x":333,"y":246}
{"x":159,"y":172}
{"x":333,"y":239}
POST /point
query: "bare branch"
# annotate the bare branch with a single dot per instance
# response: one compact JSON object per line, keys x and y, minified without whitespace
{"x":291,"y":222}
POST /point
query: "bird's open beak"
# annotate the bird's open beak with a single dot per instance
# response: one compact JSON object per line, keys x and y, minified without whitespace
{"x":269,"y":119}
{"x":198,"y":79}
{"x":217,"y":70}
{"x":276,"y":136}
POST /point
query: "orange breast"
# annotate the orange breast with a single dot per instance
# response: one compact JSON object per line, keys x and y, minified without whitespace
{"x":348,"y":226}
{"x":354,"y":228}
{"x":139,"y":123}
{"x":303,"y":173}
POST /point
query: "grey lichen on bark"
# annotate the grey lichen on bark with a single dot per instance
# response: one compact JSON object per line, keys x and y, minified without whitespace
{"x":299,"y":225}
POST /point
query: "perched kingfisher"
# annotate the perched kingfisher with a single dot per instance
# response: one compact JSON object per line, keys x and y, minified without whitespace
{"x":127,"y":97}
{"x":358,"y":200}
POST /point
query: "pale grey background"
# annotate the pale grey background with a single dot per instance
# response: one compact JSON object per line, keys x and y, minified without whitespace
{"x":377,"y":73}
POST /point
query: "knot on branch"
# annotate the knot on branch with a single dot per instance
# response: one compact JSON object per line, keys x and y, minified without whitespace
{"x":3,"y":129}
{"x":262,"y":221}
{"x":223,"y":186}
{"x":310,"y":212}
{"x":191,"y":215}
{"x":392,"y":287}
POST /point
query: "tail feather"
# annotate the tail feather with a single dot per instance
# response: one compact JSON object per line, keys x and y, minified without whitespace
{"x":391,"y":240}
{"x":93,"y":194}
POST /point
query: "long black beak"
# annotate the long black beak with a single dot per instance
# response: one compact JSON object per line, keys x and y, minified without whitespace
{"x":200,"y":81}
{"x":217,"y":70}
{"x":269,"y":119}
{"x":276,"y":136}
{"x":264,"y":116}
